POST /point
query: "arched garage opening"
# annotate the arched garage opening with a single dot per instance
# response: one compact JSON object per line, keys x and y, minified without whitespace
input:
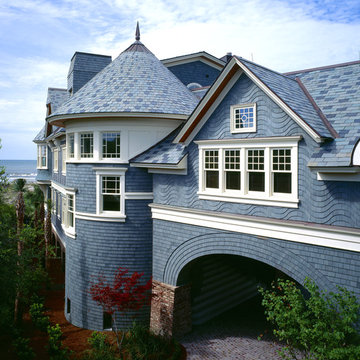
{"x":254,"y":255}
{"x":221,"y":282}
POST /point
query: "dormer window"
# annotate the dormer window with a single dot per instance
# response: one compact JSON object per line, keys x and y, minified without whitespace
{"x":243,"y":118}
{"x":86,"y":145}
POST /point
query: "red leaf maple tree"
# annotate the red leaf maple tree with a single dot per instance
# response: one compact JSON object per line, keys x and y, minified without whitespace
{"x":125,"y":293}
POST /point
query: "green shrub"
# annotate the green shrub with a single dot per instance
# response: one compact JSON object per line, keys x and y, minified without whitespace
{"x":55,"y":347}
{"x":322,"y":325}
{"x":23,"y":350}
{"x":38,"y":318}
{"x":142,"y":344}
{"x":101,"y":348}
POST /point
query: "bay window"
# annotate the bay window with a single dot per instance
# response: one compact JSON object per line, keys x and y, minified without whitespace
{"x":86,"y":145}
{"x":111,"y":145}
{"x":259,"y":171}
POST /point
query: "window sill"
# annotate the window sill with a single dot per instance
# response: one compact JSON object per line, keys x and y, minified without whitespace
{"x":70,"y":232}
{"x":42,"y":168}
{"x":97,"y":161}
{"x":111,"y":217}
{"x":250,"y":199}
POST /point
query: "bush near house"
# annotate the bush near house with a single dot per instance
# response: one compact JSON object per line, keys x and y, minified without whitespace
{"x":321,"y":326}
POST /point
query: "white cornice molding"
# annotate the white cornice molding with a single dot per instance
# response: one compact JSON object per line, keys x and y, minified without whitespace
{"x":256,"y":141}
{"x":307,"y":233}
{"x":200,"y":56}
{"x":63,"y":189}
{"x":101,"y":115}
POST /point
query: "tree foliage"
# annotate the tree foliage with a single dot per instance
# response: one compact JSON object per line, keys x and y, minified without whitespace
{"x":124,"y":294}
{"x":321,"y":326}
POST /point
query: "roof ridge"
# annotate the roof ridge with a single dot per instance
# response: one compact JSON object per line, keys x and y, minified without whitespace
{"x":263,"y":67}
{"x":323,"y":67}
{"x":322,"y":116}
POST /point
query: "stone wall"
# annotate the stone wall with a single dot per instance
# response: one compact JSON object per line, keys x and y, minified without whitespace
{"x":170,"y":309}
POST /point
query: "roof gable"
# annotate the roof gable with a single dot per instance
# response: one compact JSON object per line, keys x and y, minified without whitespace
{"x":284,"y":91}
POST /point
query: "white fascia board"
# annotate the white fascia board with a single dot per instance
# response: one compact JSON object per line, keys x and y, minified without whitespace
{"x":280,"y":103}
{"x":58,"y":235}
{"x":200,"y":56}
{"x":182,"y":164}
{"x":63,"y":189}
{"x":313,"y":234}
{"x":204,"y":101}
{"x":102,"y":115}
{"x":256,"y":142}
{"x":350,"y":173}
{"x":100,"y":217}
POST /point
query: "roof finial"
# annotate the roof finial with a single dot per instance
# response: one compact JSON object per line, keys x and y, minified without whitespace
{"x":137,"y":33}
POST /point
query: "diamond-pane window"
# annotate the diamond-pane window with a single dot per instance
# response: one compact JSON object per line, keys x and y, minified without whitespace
{"x":243,"y":118}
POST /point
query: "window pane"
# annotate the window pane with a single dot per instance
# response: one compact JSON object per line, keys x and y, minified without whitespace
{"x":111,"y":145}
{"x":111,"y":202}
{"x":255,"y":159}
{"x":107,"y":321}
{"x":212,"y":179}
{"x":71,"y":145}
{"x":256,"y":181}
{"x":211,"y":159}
{"x":86,"y":145}
{"x":282,"y":183}
{"x":233,"y":180}
{"x":244,"y":117}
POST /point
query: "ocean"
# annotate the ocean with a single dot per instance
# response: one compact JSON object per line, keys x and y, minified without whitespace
{"x":16,"y":169}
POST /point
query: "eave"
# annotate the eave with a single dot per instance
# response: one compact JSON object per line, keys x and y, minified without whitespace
{"x":59,"y":120}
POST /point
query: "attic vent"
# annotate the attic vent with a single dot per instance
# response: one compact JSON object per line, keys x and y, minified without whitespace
{"x":193,"y":86}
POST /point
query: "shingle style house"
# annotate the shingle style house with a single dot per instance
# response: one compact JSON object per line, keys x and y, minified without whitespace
{"x":210,"y":175}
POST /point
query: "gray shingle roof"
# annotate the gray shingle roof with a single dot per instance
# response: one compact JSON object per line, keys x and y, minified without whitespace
{"x":56,"y":97}
{"x":336,"y":90}
{"x":164,"y":152}
{"x":291,"y":93}
{"x":41,"y":135}
{"x":136,"y":81}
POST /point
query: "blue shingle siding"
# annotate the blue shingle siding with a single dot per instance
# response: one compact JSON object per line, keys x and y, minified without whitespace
{"x":101,"y":247}
{"x":321,"y":202}
{"x":195,"y":72}
{"x":175,"y":245}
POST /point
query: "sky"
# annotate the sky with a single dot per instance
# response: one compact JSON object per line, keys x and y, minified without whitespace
{"x":39,"y":37}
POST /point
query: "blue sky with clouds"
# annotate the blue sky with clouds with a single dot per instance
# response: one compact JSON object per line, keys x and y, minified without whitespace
{"x":39,"y":37}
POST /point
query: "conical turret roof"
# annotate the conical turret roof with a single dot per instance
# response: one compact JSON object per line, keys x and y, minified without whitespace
{"x":136,"y":81}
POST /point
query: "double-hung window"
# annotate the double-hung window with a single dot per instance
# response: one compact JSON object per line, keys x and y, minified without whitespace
{"x":42,"y":157}
{"x":111,"y":145}
{"x":67,"y":214}
{"x":86,"y":145}
{"x":56,"y":159}
{"x":110,"y":192}
{"x":71,"y":146}
{"x":259,"y":171}
{"x":211,"y":169}
{"x":63,"y":160}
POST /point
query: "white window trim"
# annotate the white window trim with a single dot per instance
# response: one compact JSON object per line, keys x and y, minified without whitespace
{"x":68,"y":230}
{"x":244,"y":196}
{"x":56,"y":160}
{"x":100,"y":172}
{"x":94,"y":145}
{"x":63,"y":159}
{"x":102,"y":147}
{"x":232,"y":118}
{"x":39,"y":157}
